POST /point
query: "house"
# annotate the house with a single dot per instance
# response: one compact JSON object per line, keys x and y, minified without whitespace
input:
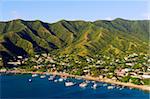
{"x":44,"y":54}
{"x":20,"y":57}
{"x":14,"y":63}
{"x":120,"y":72}
{"x":127,"y":69}
{"x":86,"y":71}
{"x":3,"y":70}
{"x":37,"y":56}
{"x":130,"y":64}
{"x":146,"y":76}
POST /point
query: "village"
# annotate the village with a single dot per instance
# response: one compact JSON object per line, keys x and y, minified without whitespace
{"x":133,"y":68}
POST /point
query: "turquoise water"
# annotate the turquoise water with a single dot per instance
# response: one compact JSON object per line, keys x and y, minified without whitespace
{"x":18,"y":86}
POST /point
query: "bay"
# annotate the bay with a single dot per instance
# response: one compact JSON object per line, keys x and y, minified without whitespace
{"x":18,"y":86}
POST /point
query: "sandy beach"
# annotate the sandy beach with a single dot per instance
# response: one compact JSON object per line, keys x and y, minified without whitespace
{"x":110,"y":81}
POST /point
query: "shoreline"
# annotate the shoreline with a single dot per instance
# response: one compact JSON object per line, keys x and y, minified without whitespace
{"x":110,"y":81}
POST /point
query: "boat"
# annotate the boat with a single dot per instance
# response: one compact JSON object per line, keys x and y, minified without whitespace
{"x":60,"y":79}
{"x":121,"y":88}
{"x":55,"y":80}
{"x":87,"y":81}
{"x":110,"y":87}
{"x":34,"y":75}
{"x":94,"y":86}
{"x":69,"y":84}
{"x":30,"y":80}
{"x":84,"y":84}
{"x":78,"y":78}
{"x":47,"y":74}
{"x":104,"y":84}
{"x":42,"y":76}
{"x":51,"y":78}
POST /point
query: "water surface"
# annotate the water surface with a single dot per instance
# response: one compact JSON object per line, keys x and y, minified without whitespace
{"x":18,"y":86}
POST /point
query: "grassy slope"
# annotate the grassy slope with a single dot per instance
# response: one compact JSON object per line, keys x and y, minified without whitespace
{"x":76,"y":37}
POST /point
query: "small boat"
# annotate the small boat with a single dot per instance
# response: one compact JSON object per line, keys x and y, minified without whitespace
{"x":94,"y":86}
{"x":60,"y":79}
{"x":121,"y":88}
{"x":30,"y":80}
{"x":104,"y":84}
{"x":110,"y":87}
{"x":84,"y":84}
{"x":78,"y":78}
{"x":42,"y":76}
{"x":48,"y":74}
{"x":87,"y":81}
{"x":51,"y":78}
{"x":69,"y":84}
{"x":55,"y":80}
{"x":34,"y":75}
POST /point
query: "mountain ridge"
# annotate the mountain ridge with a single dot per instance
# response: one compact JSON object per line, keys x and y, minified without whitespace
{"x":73,"y":37}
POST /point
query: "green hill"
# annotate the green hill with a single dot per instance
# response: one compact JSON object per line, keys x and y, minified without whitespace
{"x":119,"y":36}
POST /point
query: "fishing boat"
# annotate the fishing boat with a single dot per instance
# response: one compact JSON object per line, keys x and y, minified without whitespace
{"x":69,"y":84}
{"x":110,"y":87}
{"x":47,"y":74}
{"x":84,"y":84}
{"x":30,"y":80}
{"x":42,"y":76}
{"x":34,"y":75}
{"x":55,"y":80}
{"x":60,"y":79}
{"x":94,"y":86}
{"x":104,"y":84}
{"x":87,"y":81}
{"x":51,"y":78}
{"x":78,"y":78}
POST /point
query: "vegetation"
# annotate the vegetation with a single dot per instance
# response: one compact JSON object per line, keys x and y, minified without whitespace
{"x":73,"y":37}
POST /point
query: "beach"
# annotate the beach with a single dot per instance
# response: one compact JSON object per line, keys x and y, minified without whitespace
{"x":110,"y":81}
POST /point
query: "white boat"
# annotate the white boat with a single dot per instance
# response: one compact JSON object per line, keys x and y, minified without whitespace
{"x":84,"y":84}
{"x":69,"y":84}
{"x":42,"y":76}
{"x":87,"y":81}
{"x":94,"y":86}
{"x":60,"y":79}
{"x":79,"y":78}
{"x":51,"y":78}
{"x":30,"y":80}
{"x":110,"y":87}
{"x":55,"y":80}
{"x":47,"y":74}
{"x":34,"y":75}
{"x":104,"y":84}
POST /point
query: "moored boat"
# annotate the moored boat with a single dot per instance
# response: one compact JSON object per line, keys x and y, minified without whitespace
{"x":51,"y":78}
{"x":84,"y":84}
{"x":55,"y":80}
{"x":94,"y":86}
{"x":60,"y":79}
{"x":34,"y":75}
{"x":104,"y":84}
{"x":69,"y":84}
{"x":42,"y":76}
{"x":110,"y":87}
{"x":30,"y":80}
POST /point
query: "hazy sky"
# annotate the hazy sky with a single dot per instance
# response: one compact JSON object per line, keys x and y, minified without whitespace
{"x":90,"y":10}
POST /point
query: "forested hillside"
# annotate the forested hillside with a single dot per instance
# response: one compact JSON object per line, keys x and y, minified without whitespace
{"x":119,"y":36}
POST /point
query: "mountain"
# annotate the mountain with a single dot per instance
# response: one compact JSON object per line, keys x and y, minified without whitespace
{"x":119,"y":36}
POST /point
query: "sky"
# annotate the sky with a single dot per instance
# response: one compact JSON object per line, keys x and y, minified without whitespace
{"x":89,"y":10}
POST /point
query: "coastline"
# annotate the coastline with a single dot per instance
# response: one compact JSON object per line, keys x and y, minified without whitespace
{"x":110,"y":81}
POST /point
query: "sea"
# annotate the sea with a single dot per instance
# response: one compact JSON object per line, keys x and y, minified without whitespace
{"x":18,"y":86}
